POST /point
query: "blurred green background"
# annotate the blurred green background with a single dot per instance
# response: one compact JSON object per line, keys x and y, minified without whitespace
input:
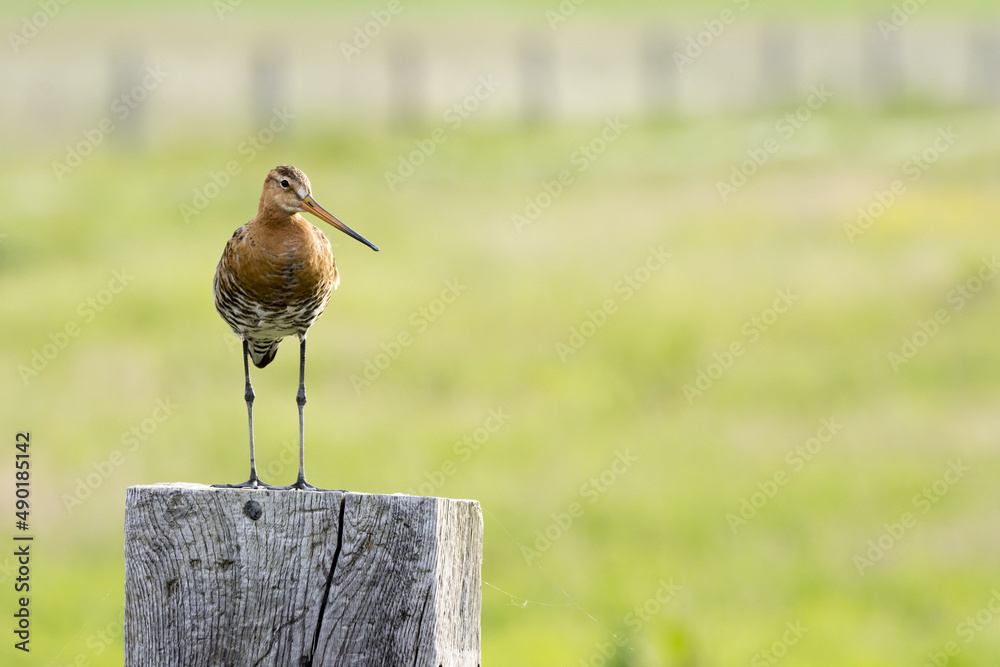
{"x":732,"y":525}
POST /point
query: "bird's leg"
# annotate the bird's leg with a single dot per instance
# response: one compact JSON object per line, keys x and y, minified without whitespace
{"x":254,"y":481}
{"x":248,"y":395}
{"x":301,"y":484}
{"x":300,"y":398}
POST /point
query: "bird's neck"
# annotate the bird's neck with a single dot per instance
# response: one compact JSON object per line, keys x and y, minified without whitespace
{"x":269,"y":213}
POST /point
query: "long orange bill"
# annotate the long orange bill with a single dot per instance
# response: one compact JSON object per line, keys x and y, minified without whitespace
{"x":310,"y":205}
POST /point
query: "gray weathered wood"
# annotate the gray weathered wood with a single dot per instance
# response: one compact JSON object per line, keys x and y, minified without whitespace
{"x":238,"y":577}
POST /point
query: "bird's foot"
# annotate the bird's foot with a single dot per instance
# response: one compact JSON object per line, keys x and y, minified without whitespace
{"x":252,"y":483}
{"x":300,"y":485}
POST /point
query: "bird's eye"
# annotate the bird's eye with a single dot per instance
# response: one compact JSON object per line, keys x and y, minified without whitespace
{"x":284,"y":183}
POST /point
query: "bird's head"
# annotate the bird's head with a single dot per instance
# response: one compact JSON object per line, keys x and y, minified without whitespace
{"x":287,"y":189}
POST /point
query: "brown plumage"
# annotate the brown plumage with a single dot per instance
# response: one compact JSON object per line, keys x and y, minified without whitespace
{"x":275,"y":278}
{"x":277,"y":272}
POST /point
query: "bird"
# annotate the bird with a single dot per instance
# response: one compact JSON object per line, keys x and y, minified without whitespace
{"x":274,"y":279}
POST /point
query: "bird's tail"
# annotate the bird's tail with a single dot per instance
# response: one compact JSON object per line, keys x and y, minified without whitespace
{"x":262,"y":351}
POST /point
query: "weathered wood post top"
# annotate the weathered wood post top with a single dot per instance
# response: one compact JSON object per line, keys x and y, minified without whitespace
{"x":234,"y":577}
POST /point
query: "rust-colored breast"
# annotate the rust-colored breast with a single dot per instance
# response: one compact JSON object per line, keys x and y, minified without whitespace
{"x":275,"y":276}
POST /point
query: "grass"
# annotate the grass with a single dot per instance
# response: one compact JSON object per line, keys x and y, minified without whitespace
{"x":663,"y":518}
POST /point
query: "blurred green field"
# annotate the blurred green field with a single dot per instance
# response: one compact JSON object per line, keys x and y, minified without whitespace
{"x":659,"y":520}
{"x":782,"y":8}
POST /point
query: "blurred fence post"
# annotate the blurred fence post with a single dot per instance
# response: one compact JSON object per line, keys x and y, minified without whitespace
{"x":882,"y":67}
{"x":659,"y":74}
{"x":128,"y":93}
{"x":257,"y":577}
{"x":407,"y":81}
{"x":779,"y":61}
{"x":270,"y":86}
{"x":536,"y":68}
{"x":984,"y":56}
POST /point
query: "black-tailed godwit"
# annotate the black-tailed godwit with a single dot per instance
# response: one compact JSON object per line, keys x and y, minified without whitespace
{"x":275,"y":278}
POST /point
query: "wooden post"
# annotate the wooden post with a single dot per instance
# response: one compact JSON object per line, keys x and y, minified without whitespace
{"x":255,"y":577}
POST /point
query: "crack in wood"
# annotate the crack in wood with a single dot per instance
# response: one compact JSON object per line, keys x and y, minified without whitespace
{"x":329,"y":582}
